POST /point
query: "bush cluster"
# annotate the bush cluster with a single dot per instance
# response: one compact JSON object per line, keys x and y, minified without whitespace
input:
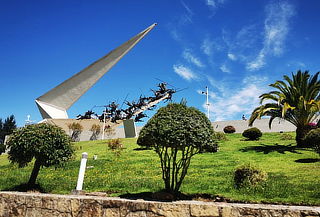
{"x":313,"y":139}
{"x":248,"y":176}
{"x":219,"y":136}
{"x":229,"y":129}
{"x":114,"y":144}
{"x":252,"y":133}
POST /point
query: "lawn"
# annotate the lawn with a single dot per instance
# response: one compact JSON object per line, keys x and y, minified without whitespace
{"x":293,"y":174}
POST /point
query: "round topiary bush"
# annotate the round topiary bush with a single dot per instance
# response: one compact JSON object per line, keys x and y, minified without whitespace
{"x":313,"y":139}
{"x":229,"y":129}
{"x":252,"y":133}
{"x":248,"y":176}
{"x":177,"y":133}
{"x":47,"y":144}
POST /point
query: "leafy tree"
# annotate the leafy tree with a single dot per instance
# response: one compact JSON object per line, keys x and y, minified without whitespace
{"x":6,"y":128}
{"x":176,"y":133}
{"x":295,"y":100}
{"x":48,"y":144}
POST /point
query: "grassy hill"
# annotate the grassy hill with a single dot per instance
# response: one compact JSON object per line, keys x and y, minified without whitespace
{"x":293,"y":174}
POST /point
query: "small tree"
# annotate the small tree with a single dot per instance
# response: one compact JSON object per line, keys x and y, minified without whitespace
{"x":176,"y":133}
{"x":95,"y":129}
{"x":6,"y":128}
{"x":48,"y":144}
{"x":75,"y":131}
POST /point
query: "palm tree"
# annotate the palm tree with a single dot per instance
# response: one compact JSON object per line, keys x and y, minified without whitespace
{"x":296,"y":100}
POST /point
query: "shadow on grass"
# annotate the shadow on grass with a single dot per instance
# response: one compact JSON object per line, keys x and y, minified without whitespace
{"x":266,"y":149}
{"x":307,"y":160}
{"x":167,"y":197}
{"x":25,"y":187}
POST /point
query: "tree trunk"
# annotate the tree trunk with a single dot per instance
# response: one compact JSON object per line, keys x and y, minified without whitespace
{"x":34,"y":174}
{"x":301,"y":132}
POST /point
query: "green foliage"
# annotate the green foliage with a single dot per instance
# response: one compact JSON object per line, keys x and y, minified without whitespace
{"x":313,"y":139}
{"x":75,"y":131}
{"x":176,"y":133}
{"x":95,"y":129}
{"x":48,"y":144}
{"x":229,"y":129}
{"x":114,"y":144}
{"x":219,"y":136}
{"x":6,"y":128}
{"x":286,"y":136}
{"x":2,"y":148}
{"x":295,"y":99}
{"x":291,"y":183}
{"x":252,"y":133}
{"x":248,"y":176}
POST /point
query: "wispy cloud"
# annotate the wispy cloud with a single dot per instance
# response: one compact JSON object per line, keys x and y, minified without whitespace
{"x":191,"y":58}
{"x":207,"y":46}
{"x":224,"y":68}
{"x":232,"y":56}
{"x":185,"y":72}
{"x":276,"y":27}
{"x":214,"y":3}
{"x":232,"y":105}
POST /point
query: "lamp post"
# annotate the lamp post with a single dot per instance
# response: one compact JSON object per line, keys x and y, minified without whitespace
{"x":207,"y":101}
{"x":104,"y":122}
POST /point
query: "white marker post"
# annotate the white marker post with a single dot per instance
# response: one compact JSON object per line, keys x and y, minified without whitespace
{"x":82,"y":171}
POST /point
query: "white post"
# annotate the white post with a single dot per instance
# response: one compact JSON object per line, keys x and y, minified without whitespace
{"x":208,"y":105}
{"x":104,"y":123}
{"x":82,"y":171}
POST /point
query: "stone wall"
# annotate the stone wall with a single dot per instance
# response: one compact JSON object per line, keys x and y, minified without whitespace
{"x":34,"y":204}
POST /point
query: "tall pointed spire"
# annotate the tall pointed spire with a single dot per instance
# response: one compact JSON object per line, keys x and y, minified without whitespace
{"x":54,"y":103}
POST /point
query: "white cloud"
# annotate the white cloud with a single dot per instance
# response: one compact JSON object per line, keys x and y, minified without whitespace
{"x":187,"y":55}
{"x":232,"y":56}
{"x":189,"y":11}
{"x":211,"y":3}
{"x":276,"y":27}
{"x":214,"y":3}
{"x":237,"y":102}
{"x":224,"y":68}
{"x":207,"y":47}
{"x":184,"y":72}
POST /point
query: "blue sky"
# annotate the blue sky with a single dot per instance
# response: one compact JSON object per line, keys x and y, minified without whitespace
{"x":235,"y":47}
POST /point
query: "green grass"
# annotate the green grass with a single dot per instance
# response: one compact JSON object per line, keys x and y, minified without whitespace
{"x":293,"y":174}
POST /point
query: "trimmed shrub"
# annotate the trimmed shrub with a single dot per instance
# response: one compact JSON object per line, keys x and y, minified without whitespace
{"x":176,"y":133}
{"x":313,"y":139}
{"x":49,"y":145}
{"x":252,"y":133}
{"x":229,"y":129}
{"x":248,"y":176}
{"x":219,"y":136}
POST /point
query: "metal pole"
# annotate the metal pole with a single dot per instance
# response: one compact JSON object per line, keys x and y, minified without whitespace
{"x":104,"y":123}
{"x":82,"y":171}
{"x":208,"y":105}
